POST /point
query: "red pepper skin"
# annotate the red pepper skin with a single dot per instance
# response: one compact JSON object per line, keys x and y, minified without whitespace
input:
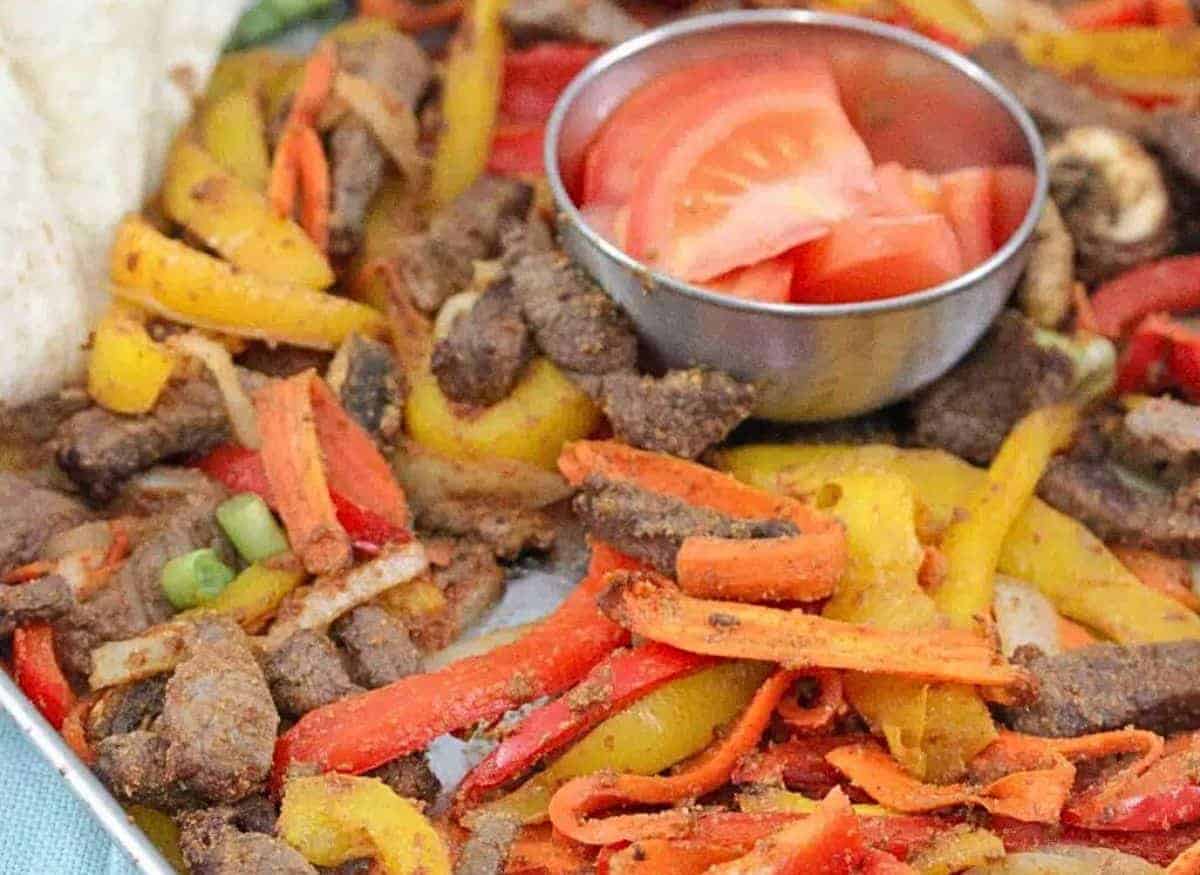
{"x":517,"y":149}
{"x":241,"y":470}
{"x":1185,"y":366}
{"x":1107,"y":14}
{"x":361,"y":732}
{"x":625,"y":676}
{"x":36,"y":669}
{"x":1143,"y":361}
{"x":1171,"y":285}
{"x":800,"y":765}
{"x":535,"y":77}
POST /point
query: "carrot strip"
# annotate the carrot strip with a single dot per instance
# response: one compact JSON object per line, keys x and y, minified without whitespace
{"x":820,"y":715}
{"x":1171,"y":577}
{"x":313,"y":171}
{"x":29,"y":571}
{"x":1072,"y":636}
{"x":74,"y":729}
{"x":353,"y":465}
{"x":666,"y":857}
{"x":579,"y":798}
{"x":691,"y":483}
{"x":651,"y":606}
{"x":411,"y":17}
{"x":538,"y":851}
{"x":283,"y":184}
{"x":801,"y":568}
{"x":291,"y":455}
{"x":316,"y":85}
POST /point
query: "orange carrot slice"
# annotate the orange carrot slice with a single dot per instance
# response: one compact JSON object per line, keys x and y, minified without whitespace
{"x":802,"y":568}
{"x":651,"y":606}
{"x":574,"y":802}
{"x":291,"y":454}
{"x":313,"y":171}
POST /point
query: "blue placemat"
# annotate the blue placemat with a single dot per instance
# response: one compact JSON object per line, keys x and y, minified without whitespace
{"x":44,"y":829}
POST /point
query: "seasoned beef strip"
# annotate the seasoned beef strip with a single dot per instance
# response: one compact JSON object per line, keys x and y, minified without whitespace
{"x":479,"y":361}
{"x":1161,"y":438}
{"x":573,"y":322}
{"x":1110,"y":686}
{"x":410,"y":777}
{"x":970,"y":410}
{"x":306,"y":672}
{"x":218,"y":718}
{"x":486,"y":851}
{"x":652,"y":527}
{"x":99,"y":449}
{"x":30,"y":516}
{"x":507,"y":529}
{"x":601,"y":22}
{"x":133,"y":599}
{"x":683,"y":413}
{"x":378,"y":645}
{"x":241,"y":853}
{"x":46,"y":598}
{"x":229,"y":839}
{"x":440,"y":262}
{"x":370,"y":386}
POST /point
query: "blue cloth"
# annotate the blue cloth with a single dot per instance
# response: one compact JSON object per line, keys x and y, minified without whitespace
{"x":44,"y":829}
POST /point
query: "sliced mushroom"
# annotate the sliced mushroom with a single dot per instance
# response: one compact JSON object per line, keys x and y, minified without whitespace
{"x":1045,"y":291}
{"x":1113,"y":199}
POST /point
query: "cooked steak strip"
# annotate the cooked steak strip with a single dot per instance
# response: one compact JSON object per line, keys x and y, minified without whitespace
{"x":439,"y":263}
{"x":479,"y":361}
{"x":30,"y":516}
{"x":486,"y":851}
{"x":127,"y":709}
{"x":652,"y":527}
{"x":99,"y":449}
{"x":46,"y":598}
{"x":1110,"y":686}
{"x":683,"y":413}
{"x":411,"y":777}
{"x":378,"y":645}
{"x":573,"y":322}
{"x":218,"y":718}
{"x":1161,"y":437}
{"x":970,"y":410}
{"x":370,"y":386}
{"x":305,"y":673}
{"x":602,"y":22}
{"x":506,"y":529}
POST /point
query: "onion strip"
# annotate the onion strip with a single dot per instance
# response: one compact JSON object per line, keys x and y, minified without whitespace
{"x":393,"y":125}
{"x":237,"y":403}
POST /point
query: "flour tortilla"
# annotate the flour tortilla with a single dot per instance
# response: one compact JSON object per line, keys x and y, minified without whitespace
{"x":94,"y":91}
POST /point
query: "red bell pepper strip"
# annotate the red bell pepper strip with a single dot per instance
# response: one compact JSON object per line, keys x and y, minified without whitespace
{"x":361,"y":732}
{"x":241,"y":470}
{"x":1171,"y":285}
{"x":517,"y":149}
{"x":36,"y":669}
{"x":535,"y":77}
{"x":625,"y":676}
{"x":1185,"y":368}
{"x":1108,"y":14}
{"x":1142,"y":365}
{"x":800,"y":765}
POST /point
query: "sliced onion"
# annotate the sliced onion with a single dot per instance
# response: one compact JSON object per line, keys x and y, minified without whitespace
{"x":93,"y":537}
{"x":1068,"y":860}
{"x":394,"y":125}
{"x":1024,"y":616}
{"x":157,"y":651}
{"x":237,"y":403}
{"x":430,"y":479}
{"x":474,"y":647}
{"x":455,"y":306}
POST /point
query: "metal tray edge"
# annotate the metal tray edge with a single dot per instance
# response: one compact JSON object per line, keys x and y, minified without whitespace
{"x":79,"y":778}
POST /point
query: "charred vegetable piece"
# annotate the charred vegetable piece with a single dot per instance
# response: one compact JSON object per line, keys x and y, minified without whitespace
{"x":195,"y":578}
{"x":251,"y":527}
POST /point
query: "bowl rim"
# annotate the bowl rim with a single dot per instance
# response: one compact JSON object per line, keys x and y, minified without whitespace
{"x":687,"y":27}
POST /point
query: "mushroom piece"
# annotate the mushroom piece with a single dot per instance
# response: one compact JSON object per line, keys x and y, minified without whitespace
{"x":1113,"y":199}
{"x":1045,"y":290}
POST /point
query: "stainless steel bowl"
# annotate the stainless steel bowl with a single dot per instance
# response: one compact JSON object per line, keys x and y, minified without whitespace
{"x":812,"y":362}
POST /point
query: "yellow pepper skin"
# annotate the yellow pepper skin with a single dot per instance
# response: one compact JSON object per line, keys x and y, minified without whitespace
{"x":931,"y":730}
{"x":162,"y":832}
{"x":957,"y":849}
{"x":470,"y":101}
{"x":128,"y":369}
{"x":232,"y":130}
{"x":765,"y":800}
{"x":253,"y":596}
{"x":333,"y":818}
{"x":185,"y":285}
{"x":958,"y":18}
{"x":670,"y":724}
{"x":544,"y":411}
{"x":1048,"y":549}
{"x":249,"y":70}
{"x":973,"y":542}
{"x":236,"y":220}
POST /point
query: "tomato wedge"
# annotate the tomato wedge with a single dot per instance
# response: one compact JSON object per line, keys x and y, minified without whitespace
{"x":750,"y":167}
{"x":1012,"y":194}
{"x":769,"y":281}
{"x":864,"y":259}
{"x":967,"y":203}
{"x":904,"y":192}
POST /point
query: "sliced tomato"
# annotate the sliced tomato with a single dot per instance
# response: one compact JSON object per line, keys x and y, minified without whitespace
{"x":864,"y":259}
{"x":904,"y":192}
{"x":607,"y":220}
{"x":749,"y":168}
{"x":1012,"y":194}
{"x":769,"y":280}
{"x":967,"y":203}
{"x":534,"y":78}
{"x":612,"y":161}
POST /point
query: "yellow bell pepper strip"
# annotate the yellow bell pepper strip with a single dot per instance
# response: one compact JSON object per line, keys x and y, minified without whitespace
{"x":652,"y":606}
{"x":184,"y":285}
{"x":232,"y":130}
{"x":361,"y":732}
{"x":249,"y":70}
{"x":1044,"y":547}
{"x":253,"y":596}
{"x":957,"y":850}
{"x":543,"y":412}
{"x":668,"y":725}
{"x":973,"y":541}
{"x":933,"y":731}
{"x":767,"y":799}
{"x":470,"y":100}
{"x":127,"y":370}
{"x":236,"y":221}
{"x":955,"y":22}
{"x":331,"y":819}
{"x":160,"y":828}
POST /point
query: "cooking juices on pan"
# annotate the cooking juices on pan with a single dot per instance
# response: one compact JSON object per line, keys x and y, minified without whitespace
{"x":747,"y":176}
